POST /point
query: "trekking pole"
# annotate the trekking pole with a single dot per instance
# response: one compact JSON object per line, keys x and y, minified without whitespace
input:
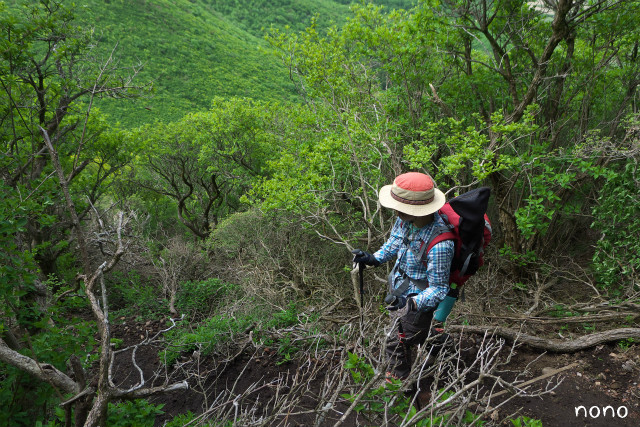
{"x":361,"y":274}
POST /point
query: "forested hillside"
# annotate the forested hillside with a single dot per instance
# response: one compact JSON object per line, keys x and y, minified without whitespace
{"x":188,"y":52}
{"x":192,"y":51}
{"x":182,"y":255}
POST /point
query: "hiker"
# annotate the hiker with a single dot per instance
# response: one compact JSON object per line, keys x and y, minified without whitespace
{"x":419,"y":280}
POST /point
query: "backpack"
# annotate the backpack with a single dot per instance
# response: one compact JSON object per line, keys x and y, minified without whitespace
{"x":467,"y":224}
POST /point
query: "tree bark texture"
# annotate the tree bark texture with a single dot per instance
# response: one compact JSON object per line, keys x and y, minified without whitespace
{"x":550,"y":344}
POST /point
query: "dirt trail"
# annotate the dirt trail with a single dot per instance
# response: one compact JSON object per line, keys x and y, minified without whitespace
{"x":603,"y":389}
{"x":605,"y":377}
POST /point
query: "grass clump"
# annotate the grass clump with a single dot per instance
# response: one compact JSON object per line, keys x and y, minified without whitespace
{"x":200,"y":298}
{"x":224,"y":326}
{"x":204,"y":337}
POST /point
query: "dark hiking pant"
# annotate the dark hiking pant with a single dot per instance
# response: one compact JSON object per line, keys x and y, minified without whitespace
{"x":416,"y":327}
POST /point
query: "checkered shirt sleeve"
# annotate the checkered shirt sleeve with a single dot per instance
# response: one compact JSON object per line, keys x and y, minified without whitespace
{"x":438,"y":261}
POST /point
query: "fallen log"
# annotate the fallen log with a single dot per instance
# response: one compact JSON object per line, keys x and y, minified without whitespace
{"x":601,"y":317}
{"x":550,"y":344}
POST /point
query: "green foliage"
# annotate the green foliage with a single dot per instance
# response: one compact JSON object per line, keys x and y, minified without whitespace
{"x":348,"y":139}
{"x":366,"y":83}
{"x":626,"y":344}
{"x":203,"y":296}
{"x":519,"y":259}
{"x":49,"y":81}
{"x":561,"y":311}
{"x":432,"y":88}
{"x":222,"y":328}
{"x":389,"y":398}
{"x":17,"y":264}
{"x":464,"y":151}
{"x":468,"y":153}
{"x":197,"y":56}
{"x":184,"y":419}
{"x":60,"y":335}
{"x":205,"y":162}
{"x":360,"y":370}
{"x":130,"y":295}
{"x":138,"y":412}
{"x":207,"y":48}
{"x":204,"y":337}
{"x":287,"y":345}
{"x":616,"y":262}
{"x":256,"y":17}
{"x":490,"y":121}
{"x":286,"y":349}
{"x":523,"y":421}
{"x":181,"y":420}
{"x":284,"y":318}
{"x":21,"y":399}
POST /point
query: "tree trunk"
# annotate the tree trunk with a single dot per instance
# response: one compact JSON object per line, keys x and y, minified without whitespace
{"x":507,"y":220}
{"x":98,"y":414}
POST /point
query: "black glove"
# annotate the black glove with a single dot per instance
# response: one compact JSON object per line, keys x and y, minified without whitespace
{"x":403,"y":305}
{"x":362,"y":257}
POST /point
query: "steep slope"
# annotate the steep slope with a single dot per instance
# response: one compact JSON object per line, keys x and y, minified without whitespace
{"x":195,"y":50}
{"x":189,"y":52}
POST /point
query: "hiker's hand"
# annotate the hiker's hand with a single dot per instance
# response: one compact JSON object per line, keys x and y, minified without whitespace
{"x":362,"y":257}
{"x":402,"y":305}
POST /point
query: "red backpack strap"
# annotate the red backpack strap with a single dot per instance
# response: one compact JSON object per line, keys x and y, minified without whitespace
{"x":441,"y":234}
{"x":446,"y":235}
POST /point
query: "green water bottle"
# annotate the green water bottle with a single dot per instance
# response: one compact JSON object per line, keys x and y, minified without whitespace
{"x":445,"y":306}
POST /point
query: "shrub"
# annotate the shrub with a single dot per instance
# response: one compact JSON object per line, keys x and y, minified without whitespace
{"x":130,"y":295}
{"x":616,"y":261}
{"x":275,"y":257}
{"x":526,"y":422}
{"x":222,"y":328}
{"x":205,"y":337}
{"x":138,"y":413}
{"x":200,"y":298}
{"x":284,"y":318}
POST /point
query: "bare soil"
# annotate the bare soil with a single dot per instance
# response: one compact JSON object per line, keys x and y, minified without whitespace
{"x":607,"y":376}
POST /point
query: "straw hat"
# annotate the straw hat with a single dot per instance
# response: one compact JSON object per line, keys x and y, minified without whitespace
{"x":413,"y":193}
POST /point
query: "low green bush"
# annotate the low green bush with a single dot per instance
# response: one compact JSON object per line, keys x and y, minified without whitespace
{"x":199,"y":298}
{"x":284,"y":318}
{"x":389,"y":397}
{"x":222,"y":328}
{"x":204,"y":337}
{"x":130,"y":295}
{"x":139,"y":413}
{"x":523,"y":421}
{"x":184,"y":419}
{"x":616,"y":261}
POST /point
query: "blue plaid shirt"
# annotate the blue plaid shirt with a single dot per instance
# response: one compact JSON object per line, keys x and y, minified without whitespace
{"x":438,"y":260}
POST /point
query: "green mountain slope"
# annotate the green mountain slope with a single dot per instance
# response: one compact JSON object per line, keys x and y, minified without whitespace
{"x":195,"y":50}
{"x":255,"y":16}
{"x":189,"y":52}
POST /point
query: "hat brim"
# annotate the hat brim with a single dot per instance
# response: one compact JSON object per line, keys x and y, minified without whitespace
{"x":387,"y":201}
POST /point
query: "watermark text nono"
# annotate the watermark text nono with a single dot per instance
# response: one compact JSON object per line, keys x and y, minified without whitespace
{"x":606,"y":411}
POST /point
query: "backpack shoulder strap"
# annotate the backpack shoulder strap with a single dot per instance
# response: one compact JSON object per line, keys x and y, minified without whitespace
{"x":441,"y":233}
{"x":445,"y":235}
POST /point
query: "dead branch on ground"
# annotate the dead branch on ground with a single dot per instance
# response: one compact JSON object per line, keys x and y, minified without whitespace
{"x":459,"y":378}
{"x":550,"y":344}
